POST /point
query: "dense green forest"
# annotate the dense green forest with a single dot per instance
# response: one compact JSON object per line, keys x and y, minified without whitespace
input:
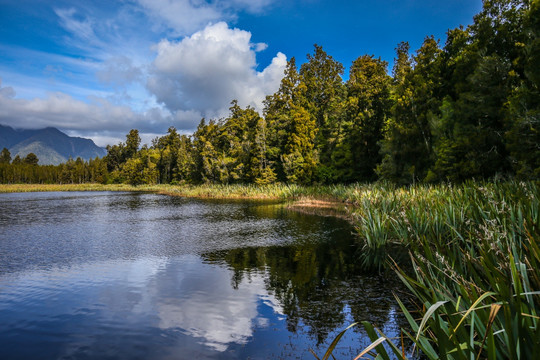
{"x":467,"y":109}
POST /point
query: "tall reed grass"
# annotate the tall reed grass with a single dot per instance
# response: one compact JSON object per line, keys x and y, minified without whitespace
{"x":476,"y":266}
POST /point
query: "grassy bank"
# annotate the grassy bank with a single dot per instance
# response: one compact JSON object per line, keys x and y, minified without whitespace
{"x":209,"y":191}
{"x":15,"y":188}
{"x":216,"y":191}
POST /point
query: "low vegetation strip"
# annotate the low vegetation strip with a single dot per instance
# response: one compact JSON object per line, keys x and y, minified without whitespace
{"x":18,"y":188}
{"x":332,"y":193}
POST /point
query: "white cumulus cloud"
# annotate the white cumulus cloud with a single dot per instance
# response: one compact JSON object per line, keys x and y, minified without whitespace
{"x":204,"y":72}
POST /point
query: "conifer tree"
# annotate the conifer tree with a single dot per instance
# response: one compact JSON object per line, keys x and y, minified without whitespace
{"x":292,"y":130}
{"x":133,"y":141}
{"x":324,"y":94}
{"x":523,"y":122}
{"x":167,"y":146}
{"x":31,"y":159}
{"x":206,"y":158}
{"x":408,"y":144}
{"x":482,"y":65}
{"x":184,"y":162}
{"x":366,"y":110}
{"x":5,"y":156}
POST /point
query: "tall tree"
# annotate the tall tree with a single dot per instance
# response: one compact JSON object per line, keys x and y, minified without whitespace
{"x":168,"y":146}
{"x":324,"y":93}
{"x":292,"y":130}
{"x":523,"y":135}
{"x":408,"y":145}
{"x":261,"y":171}
{"x":367,"y":108}
{"x":244,"y":135}
{"x":16,"y":160}
{"x":133,"y":141}
{"x":5,"y":156}
{"x":114,"y":157}
{"x":484,"y":65}
{"x":206,"y":158}
{"x":276,"y":109}
{"x":31,"y":159}
{"x":184,"y":162}
{"x":300,"y":158}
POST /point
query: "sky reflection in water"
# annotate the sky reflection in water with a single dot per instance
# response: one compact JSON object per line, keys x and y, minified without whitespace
{"x":99,"y":275}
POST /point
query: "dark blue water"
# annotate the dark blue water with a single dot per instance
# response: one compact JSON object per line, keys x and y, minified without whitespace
{"x":144,"y":276}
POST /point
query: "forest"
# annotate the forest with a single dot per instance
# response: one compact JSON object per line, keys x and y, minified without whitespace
{"x":467,"y":109}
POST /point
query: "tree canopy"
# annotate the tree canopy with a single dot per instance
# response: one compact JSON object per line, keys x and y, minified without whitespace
{"x":467,"y":109}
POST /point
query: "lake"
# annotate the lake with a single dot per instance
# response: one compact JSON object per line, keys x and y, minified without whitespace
{"x":100,"y":275}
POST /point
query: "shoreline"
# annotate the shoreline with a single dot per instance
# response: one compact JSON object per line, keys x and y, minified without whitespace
{"x":323,"y":205}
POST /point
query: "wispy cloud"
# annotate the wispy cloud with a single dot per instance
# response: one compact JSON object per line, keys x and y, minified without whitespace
{"x":81,"y":28}
{"x":119,"y":70}
{"x":184,"y":17}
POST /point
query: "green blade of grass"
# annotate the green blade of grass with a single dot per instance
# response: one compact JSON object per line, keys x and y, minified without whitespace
{"x":472,"y":308}
{"x":336,"y":341}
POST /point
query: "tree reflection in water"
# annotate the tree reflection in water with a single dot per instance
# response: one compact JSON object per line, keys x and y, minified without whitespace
{"x":318,"y":282}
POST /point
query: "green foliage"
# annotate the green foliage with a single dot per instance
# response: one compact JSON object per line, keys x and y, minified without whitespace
{"x":114,"y":158}
{"x":292,"y":129}
{"x":486,"y":273}
{"x":300,"y":158}
{"x":324,"y":94}
{"x":523,"y":121}
{"x":408,"y":144}
{"x":133,"y":141}
{"x":184,"y":161}
{"x":72,"y":172}
{"x":31,"y":159}
{"x":168,"y":147}
{"x":475,"y":277}
{"x":5,"y":156}
{"x":366,"y":110}
{"x":468,"y":110}
{"x":485,"y":64}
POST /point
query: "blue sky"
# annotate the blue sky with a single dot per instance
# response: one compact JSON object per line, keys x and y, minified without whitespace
{"x":100,"y":68}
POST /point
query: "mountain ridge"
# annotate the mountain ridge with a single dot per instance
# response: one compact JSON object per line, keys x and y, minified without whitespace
{"x":50,"y":145}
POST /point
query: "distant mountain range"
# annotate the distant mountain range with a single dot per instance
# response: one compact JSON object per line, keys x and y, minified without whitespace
{"x":50,"y":145}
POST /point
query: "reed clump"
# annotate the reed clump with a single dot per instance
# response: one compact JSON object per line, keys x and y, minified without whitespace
{"x":476,"y":266}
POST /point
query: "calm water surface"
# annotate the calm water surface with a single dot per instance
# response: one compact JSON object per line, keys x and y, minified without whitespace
{"x":142,"y":276}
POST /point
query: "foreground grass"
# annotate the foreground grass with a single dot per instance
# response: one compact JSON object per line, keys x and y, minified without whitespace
{"x":475,"y":250}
